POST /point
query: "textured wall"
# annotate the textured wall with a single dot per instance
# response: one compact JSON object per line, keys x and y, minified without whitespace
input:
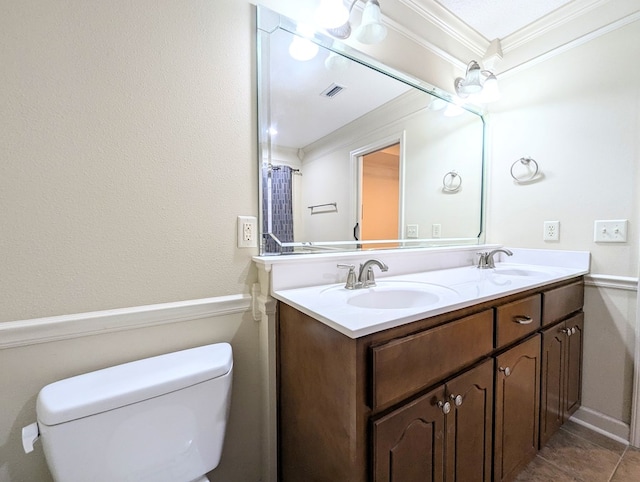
{"x":577,"y":114}
{"x":128,"y":150}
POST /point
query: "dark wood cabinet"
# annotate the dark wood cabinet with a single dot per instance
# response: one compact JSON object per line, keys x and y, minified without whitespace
{"x":409,"y":443}
{"x":444,"y":435}
{"x":516,"y":408}
{"x":470,"y":426}
{"x":455,"y":397}
{"x":561,"y":374}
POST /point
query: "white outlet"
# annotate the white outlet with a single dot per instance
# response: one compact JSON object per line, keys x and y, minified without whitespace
{"x":247,"y":236}
{"x":614,"y":231}
{"x":412,"y":231}
{"x":551,"y":231}
{"x":436,"y":230}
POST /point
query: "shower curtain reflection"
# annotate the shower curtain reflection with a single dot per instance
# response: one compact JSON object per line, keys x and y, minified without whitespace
{"x":277,"y":205}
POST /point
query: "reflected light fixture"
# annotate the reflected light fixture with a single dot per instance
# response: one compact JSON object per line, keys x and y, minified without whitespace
{"x":301,"y":48}
{"x":371,"y":29}
{"x":482,"y":85}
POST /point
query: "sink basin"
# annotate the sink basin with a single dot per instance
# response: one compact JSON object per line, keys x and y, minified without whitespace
{"x":388,"y":295}
{"x":393,"y":298}
{"x":522,"y":271}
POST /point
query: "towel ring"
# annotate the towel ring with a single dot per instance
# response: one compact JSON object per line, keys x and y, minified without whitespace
{"x":454,"y":184}
{"x":525,"y":161}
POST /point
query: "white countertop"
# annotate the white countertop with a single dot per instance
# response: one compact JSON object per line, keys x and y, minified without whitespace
{"x":448,"y":290}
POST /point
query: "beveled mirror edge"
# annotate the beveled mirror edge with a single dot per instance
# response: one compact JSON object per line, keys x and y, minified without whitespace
{"x":267,"y":21}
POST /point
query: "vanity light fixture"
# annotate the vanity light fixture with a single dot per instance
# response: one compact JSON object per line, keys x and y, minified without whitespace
{"x":371,"y":29}
{"x":481,"y":84}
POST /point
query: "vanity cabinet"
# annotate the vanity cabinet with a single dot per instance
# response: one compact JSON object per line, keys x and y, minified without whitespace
{"x":561,"y":385}
{"x":453,"y":397}
{"x":442,"y":435}
{"x":517,"y":408}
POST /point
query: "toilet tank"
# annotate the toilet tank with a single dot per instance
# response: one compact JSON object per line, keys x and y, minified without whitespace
{"x":160,"y":419}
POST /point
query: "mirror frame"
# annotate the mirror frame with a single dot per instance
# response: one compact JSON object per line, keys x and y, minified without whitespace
{"x":267,"y":22}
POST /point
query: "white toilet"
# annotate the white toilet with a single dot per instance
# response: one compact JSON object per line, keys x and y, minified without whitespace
{"x":160,"y":419}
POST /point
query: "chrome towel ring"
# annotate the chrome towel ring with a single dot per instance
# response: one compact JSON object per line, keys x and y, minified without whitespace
{"x":531,"y":166}
{"x":451,"y":182}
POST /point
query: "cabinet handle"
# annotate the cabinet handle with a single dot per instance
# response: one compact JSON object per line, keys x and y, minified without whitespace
{"x":523,"y":320}
{"x":457,"y":399}
{"x":507,"y":371}
{"x":445,"y":406}
{"x":573,"y":330}
{"x":566,"y":331}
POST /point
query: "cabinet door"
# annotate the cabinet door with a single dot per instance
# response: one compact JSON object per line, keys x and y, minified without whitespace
{"x":516,"y":408}
{"x":469,"y":425}
{"x":552,"y":394}
{"x":408,"y":443}
{"x":574,"y":364}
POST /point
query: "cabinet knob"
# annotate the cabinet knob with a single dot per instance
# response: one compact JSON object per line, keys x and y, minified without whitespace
{"x":445,"y":406}
{"x":523,"y":320}
{"x":566,"y":331}
{"x":505,"y":370}
{"x":457,"y":399}
{"x":573,"y":330}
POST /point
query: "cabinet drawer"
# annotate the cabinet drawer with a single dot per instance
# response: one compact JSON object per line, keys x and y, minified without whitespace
{"x":561,"y":302}
{"x":406,"y":365}
{"x":516,"y":320}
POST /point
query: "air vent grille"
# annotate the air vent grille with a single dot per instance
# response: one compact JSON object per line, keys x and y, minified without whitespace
{"x":332,"y":90}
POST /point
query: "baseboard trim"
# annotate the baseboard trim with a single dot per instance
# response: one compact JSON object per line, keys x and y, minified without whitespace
{"x":55,"y":328}
{"x":602,"y":424}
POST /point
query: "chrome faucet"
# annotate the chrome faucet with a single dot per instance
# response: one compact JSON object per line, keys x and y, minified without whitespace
{"x":485,"y":261}
{"x":365,"y":278}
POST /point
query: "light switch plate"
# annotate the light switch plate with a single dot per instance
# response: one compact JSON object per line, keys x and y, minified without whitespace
{"x":610,"y":231}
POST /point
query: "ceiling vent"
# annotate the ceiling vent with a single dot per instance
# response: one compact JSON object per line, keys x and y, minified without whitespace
{"x":332,"y":90}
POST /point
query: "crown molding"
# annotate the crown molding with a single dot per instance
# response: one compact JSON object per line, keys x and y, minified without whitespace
{"x":449,"y":24}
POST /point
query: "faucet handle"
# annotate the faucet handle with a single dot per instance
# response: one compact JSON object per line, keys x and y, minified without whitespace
{"x":351,"y":276}
{"x":482,"y":259}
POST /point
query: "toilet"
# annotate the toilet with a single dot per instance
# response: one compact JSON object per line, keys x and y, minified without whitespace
{"x":159,"y":419}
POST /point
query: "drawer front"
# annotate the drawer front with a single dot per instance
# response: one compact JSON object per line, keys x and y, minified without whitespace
{"x":561,"y":302}
{"x":405,"y":366}
{"x":516,"y":320}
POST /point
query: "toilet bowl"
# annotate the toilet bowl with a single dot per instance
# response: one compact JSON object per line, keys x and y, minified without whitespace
{"x":160,"y":419}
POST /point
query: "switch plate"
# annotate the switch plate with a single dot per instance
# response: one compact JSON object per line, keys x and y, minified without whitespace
{"x":412,"y":231}
{"x":436,"y":230}
{"x":247,"y":235}
{"x":551,"y":231}
{"x":610,"y":231}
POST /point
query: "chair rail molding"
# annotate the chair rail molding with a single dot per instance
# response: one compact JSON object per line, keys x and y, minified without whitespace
{"x":54,"y":328}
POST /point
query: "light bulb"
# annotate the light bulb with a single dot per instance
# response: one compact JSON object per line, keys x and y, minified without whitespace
{"x":331,"y":14}
{"x":302,"y":49}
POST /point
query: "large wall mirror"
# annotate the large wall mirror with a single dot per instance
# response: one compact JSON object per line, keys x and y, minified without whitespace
{"x":355,"y":155}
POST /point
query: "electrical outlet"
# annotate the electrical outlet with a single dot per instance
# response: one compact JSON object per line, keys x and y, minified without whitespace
{"x":412,"y":231}
{"x":436,"y":230}
{"x":614,"y":231}
{"x":247,"y":236}
{"x":551,"y":231}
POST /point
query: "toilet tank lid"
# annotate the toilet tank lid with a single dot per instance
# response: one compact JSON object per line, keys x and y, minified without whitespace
{"x":121,"y":385}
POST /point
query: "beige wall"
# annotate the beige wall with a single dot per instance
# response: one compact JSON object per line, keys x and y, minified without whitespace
{"x":127,"y":149}
{"x":577,"y":115}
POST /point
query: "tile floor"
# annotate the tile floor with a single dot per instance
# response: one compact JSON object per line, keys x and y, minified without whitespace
{"x":576,"y":453}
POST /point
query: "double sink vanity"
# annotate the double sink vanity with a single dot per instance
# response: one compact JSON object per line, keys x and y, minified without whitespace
{"x":441,"y":371}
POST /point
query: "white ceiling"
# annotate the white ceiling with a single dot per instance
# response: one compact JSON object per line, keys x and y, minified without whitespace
{"x":497,"y":19}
